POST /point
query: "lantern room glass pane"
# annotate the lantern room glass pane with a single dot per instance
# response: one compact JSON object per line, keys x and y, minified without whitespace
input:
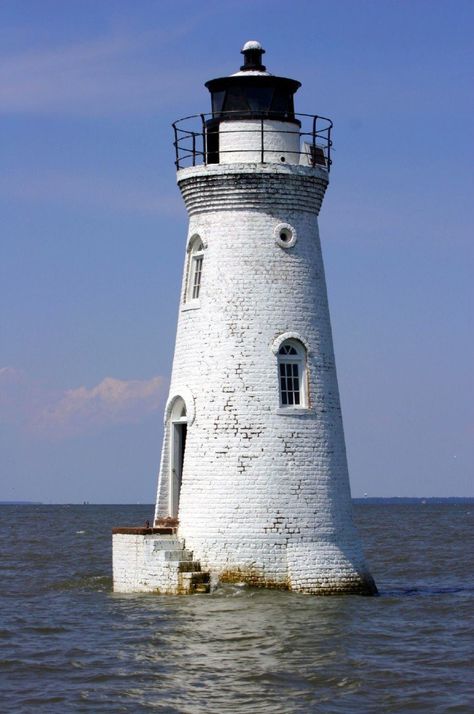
{"x":218,"y":101}
{"x":282,"y":102}
{"x":235,"y":99}
{"x":259,"y":99}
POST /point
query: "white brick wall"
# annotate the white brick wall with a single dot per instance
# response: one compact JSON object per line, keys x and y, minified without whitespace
{"x":241,"y":141}
{"x":265,"y":496}
{"x":137,"y":568}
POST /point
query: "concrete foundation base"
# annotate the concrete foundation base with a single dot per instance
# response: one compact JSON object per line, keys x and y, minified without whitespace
{"x":155,"y":560}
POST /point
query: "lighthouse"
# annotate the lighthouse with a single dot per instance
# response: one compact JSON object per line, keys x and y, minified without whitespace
{"x":253,"y":483}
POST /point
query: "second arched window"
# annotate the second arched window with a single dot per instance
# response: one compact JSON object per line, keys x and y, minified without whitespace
{"x":292,"y":374}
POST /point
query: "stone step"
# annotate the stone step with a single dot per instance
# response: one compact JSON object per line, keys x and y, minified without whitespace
{"x":202,"y":588}
{"x":199,"y":577}
{"x":174,"y":555}
{"x":189,"y":566}
{"x":195,"y":582}
{"x":168,"y":543}
{"x":201,"y":582}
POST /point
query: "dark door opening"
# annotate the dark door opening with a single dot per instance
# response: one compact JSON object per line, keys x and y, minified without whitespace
{"x":179,"y":431}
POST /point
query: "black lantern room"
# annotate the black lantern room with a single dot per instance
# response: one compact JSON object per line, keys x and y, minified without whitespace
{"x":253,"y":93}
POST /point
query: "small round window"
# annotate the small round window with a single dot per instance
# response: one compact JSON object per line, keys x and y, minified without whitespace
{"x":285,"y":235}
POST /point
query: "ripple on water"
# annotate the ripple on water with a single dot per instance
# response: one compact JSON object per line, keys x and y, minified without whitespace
{"x":68,"y":643}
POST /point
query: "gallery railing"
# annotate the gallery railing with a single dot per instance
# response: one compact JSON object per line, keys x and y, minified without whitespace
{"x":196,"y":138}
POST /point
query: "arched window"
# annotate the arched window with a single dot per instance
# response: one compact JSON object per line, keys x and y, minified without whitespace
{"x":178,"y":410}
{"x":194,"y":273}
{"x":292,"y":374}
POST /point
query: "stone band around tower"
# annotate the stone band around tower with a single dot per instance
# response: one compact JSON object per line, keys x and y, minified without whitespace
{"x":253,"y":187}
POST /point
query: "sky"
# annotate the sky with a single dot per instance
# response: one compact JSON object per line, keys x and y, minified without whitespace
{"x":93,"y":229}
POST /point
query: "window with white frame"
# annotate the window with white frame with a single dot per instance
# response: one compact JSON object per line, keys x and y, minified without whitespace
{"x":194,"y":273}
{"x":292,"y":374}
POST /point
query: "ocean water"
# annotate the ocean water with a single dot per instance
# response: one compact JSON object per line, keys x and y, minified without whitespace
{"x":68,"y":644}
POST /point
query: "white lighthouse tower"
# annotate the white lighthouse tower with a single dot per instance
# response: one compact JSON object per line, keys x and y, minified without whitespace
{"x":253,"y":482}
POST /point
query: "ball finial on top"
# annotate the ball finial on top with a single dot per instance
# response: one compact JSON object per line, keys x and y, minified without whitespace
{"x":252,"y":45}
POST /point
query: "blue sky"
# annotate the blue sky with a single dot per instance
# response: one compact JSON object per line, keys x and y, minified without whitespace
{"x":93,"y":229}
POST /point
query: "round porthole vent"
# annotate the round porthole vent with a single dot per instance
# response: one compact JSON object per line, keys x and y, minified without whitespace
{"x":285,"y":235}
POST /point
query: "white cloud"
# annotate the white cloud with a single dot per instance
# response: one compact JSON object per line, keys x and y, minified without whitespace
{"x":54,"y":414}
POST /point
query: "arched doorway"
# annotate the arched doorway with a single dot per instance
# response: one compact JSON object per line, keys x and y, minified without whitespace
{"x":178,"y":431}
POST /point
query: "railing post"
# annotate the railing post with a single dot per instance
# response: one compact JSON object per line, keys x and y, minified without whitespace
{"x":262,"y":140}
{"x":176,"y":145}
{"x":315,"y":119}
{"x":329,"y":147}
{"x":204,"y":139}
{"x":194,"y":149}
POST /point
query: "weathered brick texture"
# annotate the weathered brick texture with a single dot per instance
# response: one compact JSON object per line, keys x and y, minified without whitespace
{"x":265,"y":492}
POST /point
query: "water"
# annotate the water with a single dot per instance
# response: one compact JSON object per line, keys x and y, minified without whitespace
{"x":68,"y":644}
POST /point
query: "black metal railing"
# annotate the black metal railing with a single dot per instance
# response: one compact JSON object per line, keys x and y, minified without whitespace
{"x":197,"y":137}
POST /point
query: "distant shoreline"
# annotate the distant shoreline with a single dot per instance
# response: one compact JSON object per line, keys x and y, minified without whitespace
{"x":360,"y":499}
{"x":410,"y":499}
